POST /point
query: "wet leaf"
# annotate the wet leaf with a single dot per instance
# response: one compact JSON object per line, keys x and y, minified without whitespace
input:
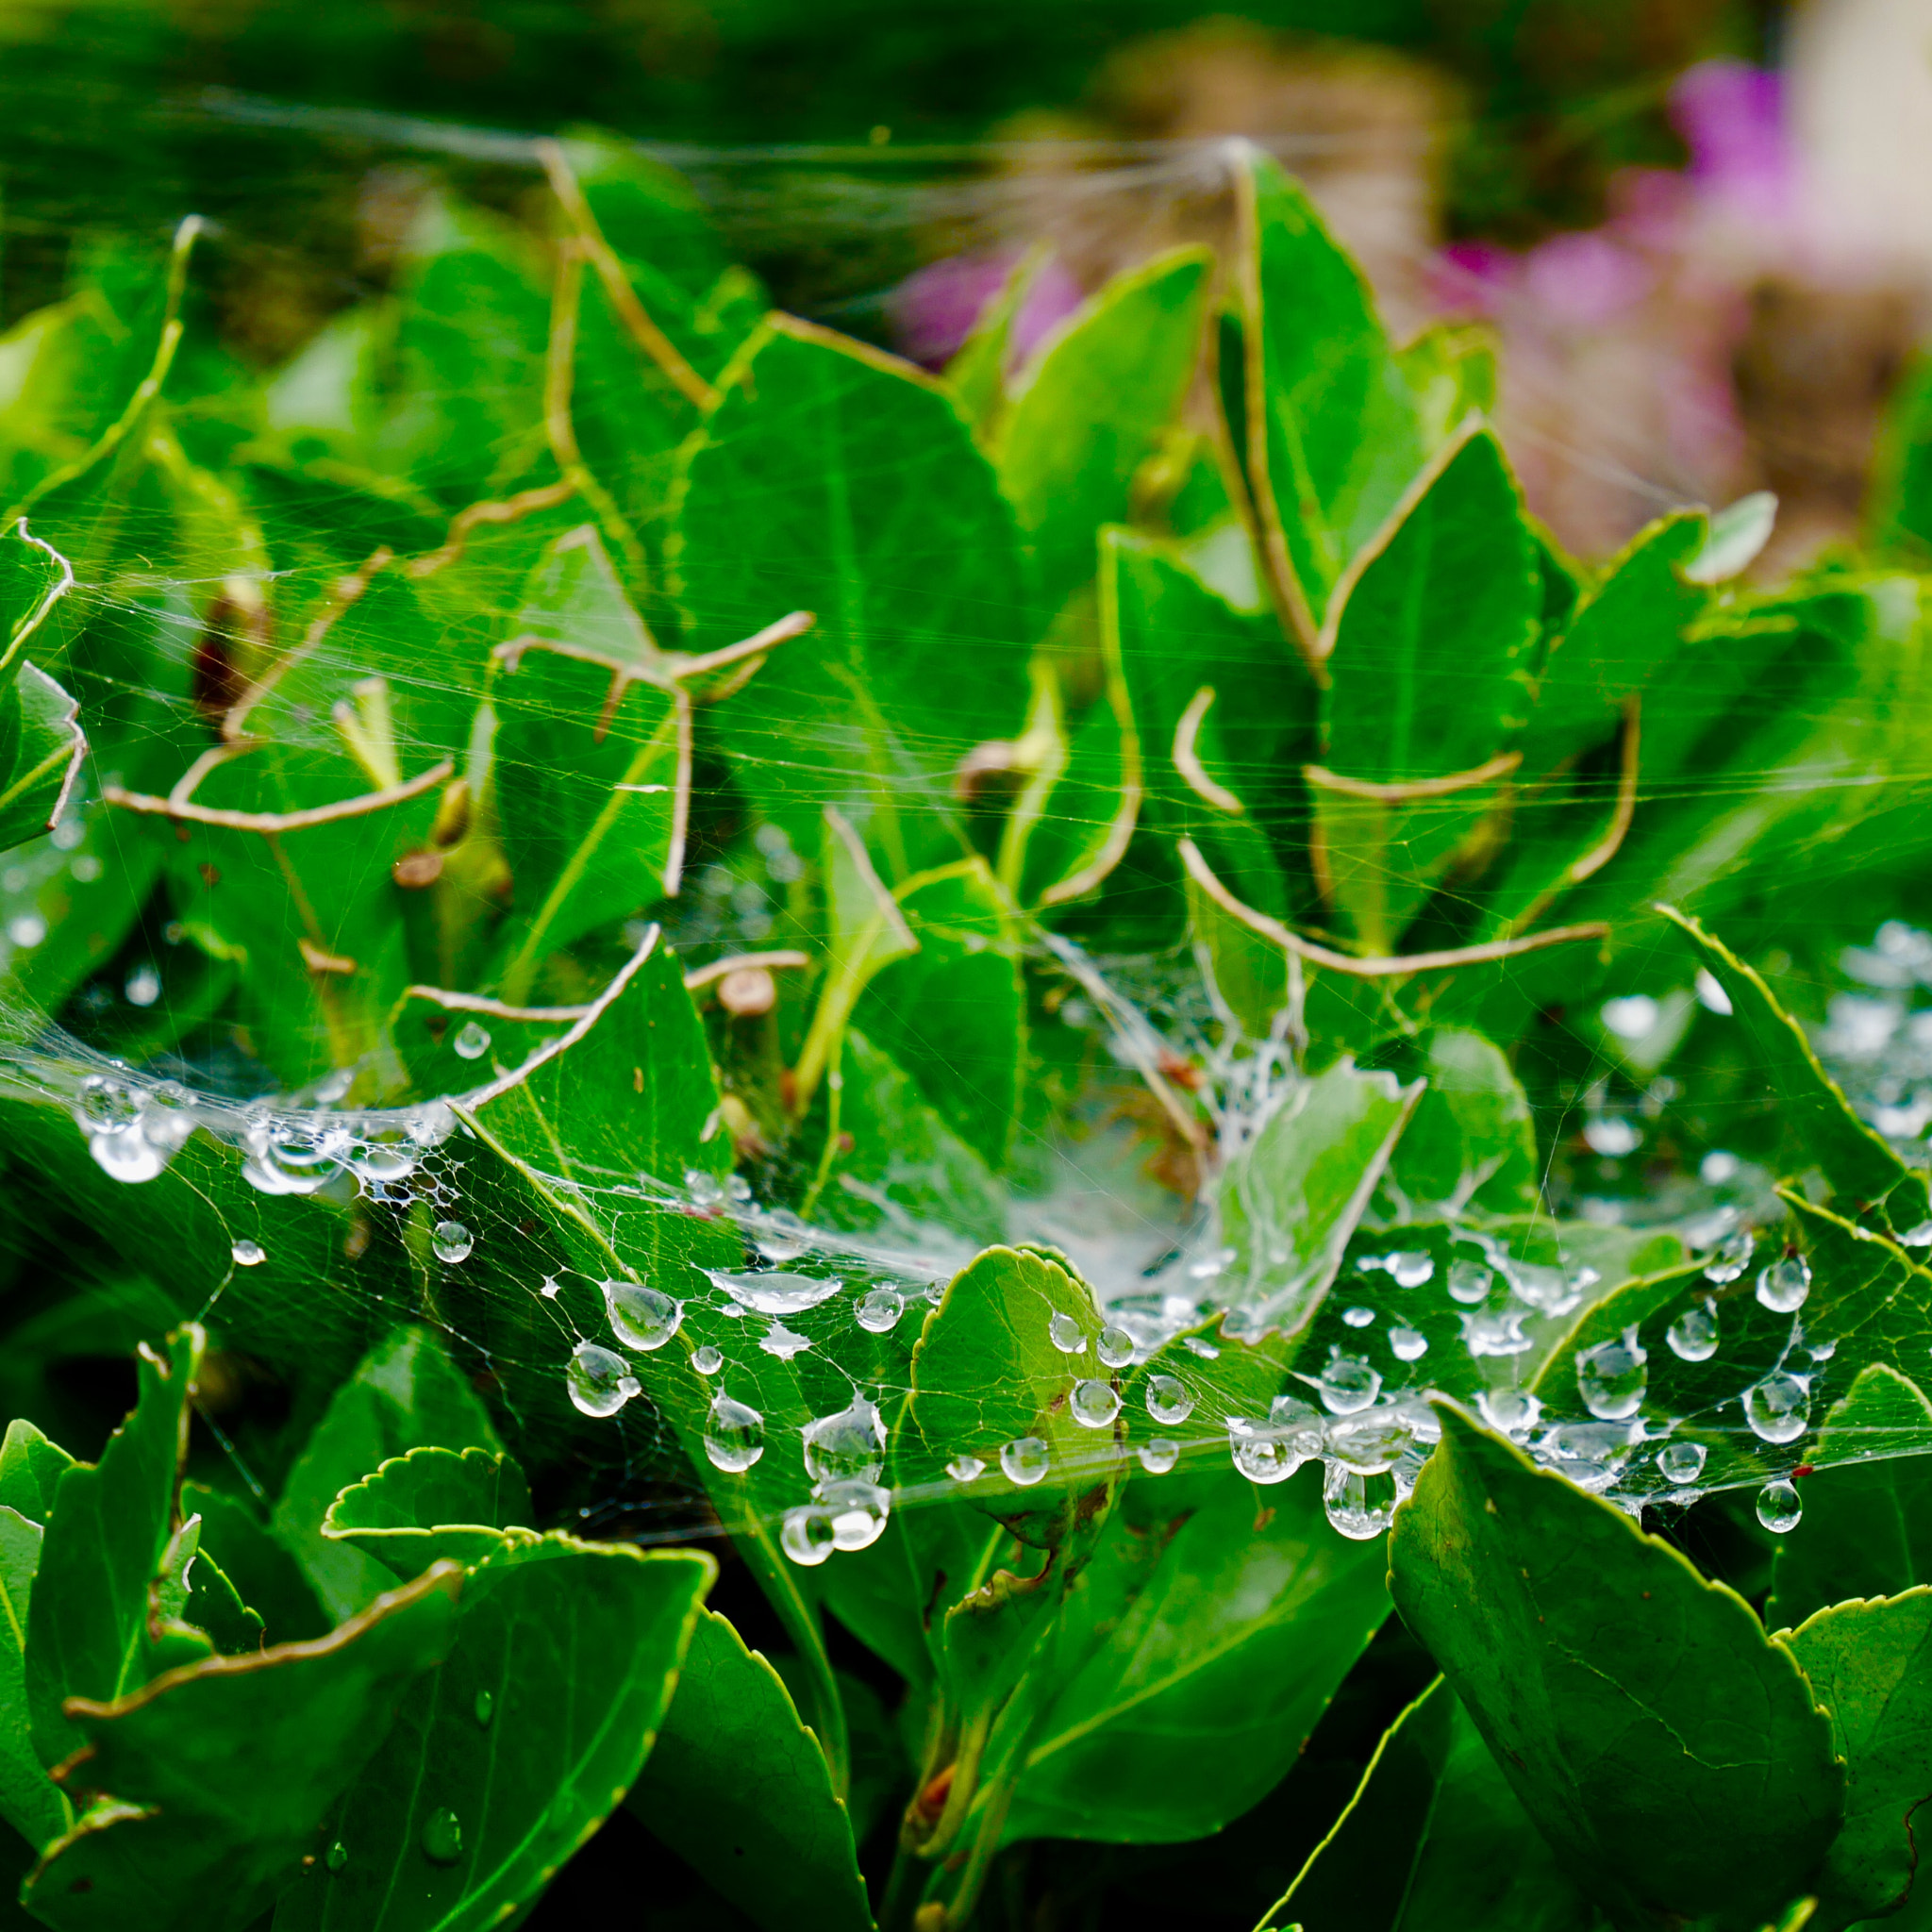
{"x":430,"y":1504}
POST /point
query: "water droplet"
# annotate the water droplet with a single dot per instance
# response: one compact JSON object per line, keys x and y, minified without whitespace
{"x":248,"y":1254}
{"x":1411,"y":1267}
{"x":1359,"y":1506}
{"x":1681,"y":1463}
{"x":707,"y":1361}
{"x":965,"y":1468}
{"x":805,"y":1535}
{"x":1115,"y":1346}
{"x":1347,"y":1383}
{"x":846,"y":1447}
{"x":472,"y":1042}
{"x":442,"y":1837}
{"x":1495,"y":1332}
{"x":599,"y":1380}
{"x":1470,"y":1282}
{"x":1025,"y":1461}
{"x":336,"y":1856}
{"x":783,"y":1342}
{"x":1778,"y":1409}
{"x":860,"y":1510}
{"x":1548,"y":1289}
{"x":1358,"y":1318}
{"x":485,"y":1706}
{"x":640,"y":1317}
{"x":778,"y":1293}
{"x":1067,"y":1334}
{"x":1612,"y":1135}
{"x":1160,"y":1456}
{"x":1168,"y":1400}
{"x":1094,"y":1403}
{"x":388,"y":1155}
{"x":1783,"y":1285}
{"x":1730,"y":1257}
{"x":452,"y":1241}
{"x":1368,"y":1442}
{"x":1510,"y":1411}
{"x":734,"y":1434}
{"x":1919,"y":1237}
{"x":128,"y":1157}
{"x":1692,"y":1336}
{"x":27,"y":929}
{"x":1408,"y":1345}
{"x":1612,"y":1376}
{"x":105,"y":1106}
{"x":144,"y":986}
{"x":1262,"y":1454}
{"x":1779,"y":1508}
{"x":1200,"y":1346}
{"x":880,"y":1311}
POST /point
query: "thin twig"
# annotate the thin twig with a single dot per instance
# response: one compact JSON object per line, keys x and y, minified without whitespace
{"x":271,"y":823}
{"x":1187,"y":760}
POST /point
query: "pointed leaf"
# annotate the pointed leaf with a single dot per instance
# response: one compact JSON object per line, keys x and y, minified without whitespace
{"x":40,"y":749}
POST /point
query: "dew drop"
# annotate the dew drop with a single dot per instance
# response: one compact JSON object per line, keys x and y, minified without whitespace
{"x":1115,"y":1346}
{"x":965,"y":1468}
{"x":599,"y":1380}
{"x":849,"y":1447}
{"x":1681,"y":1463}
{"x":128,"y":1157}
{"x":783,"y":1342}
{"x":1783,"y":1285}
{"x":1779,"y":1508}
{"x":1411,"y":1267}
{"x":1730,"y":1257}
{"x":1200,"y":1346}
{"x":1408,"y":1345}
{"x":1347,"y":1383}
{"x":1692,"y":1336}
{"x":107,"y":1106}
{"x":336,"y":1856}
{"x":1368,"y":1443}
{"x":1094,"y":1403}
{"x":860,"y":1510}
{"x":1358,"y":1318}
{"x":1470,"y":1282}
{"x":805,"y":1535}
{"x":452,"y":1241}
{"x":734,"y":1434}
{"x":1612,"y":1376}
{"x":1509,"y":1410}
{"x":1261,"y":1454}
{"x":442,"y":1837}
{"x":1025,"y":1461}
{"x":1160,"y":1456}
{"x":1168,"y":1400}
{"x":1919,"y":1237}
{"x":707,"y":1361}
{"x":880,"y":1311}
{"x":778,"y":1293}
{"x":248,"y":1254}
{"x":1067,"y":1334}
{"x":472,"y":1042}
{"x":387,"y":1155}
{"x":1778,"y":1409}
{"x":640,"y":1318}
{"x":485,"y":1706}
{"x":1359,"y":1506}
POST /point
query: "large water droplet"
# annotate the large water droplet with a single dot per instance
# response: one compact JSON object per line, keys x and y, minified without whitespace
{"x":128,"y":1156}
{"x":1093,"y":1404}
{"x":1408,"y":1345}
{"x":783,"y":1342}
{"x":1692,"y":1336}
{"x":640,"y":1318}
{"x":1347,"y":1383}
{"x":1495,"y":1332}
{"x":248,"y":1254}
{"x":1368,"y":1442}
{"x":442,"y":1837}
{"x":1779,"y":1407}
{"x":849,"y":1447}
{"x":1411,"y":1267}
{"x":1612,"y":1376}
{"x":1470,"y":1282}
{"x":1168,"y":1400}
{"x":390,"y":1154}
{"x":1261,"y":1454}
{"x":965,"y":1468}
{"x":599,"y":1380}
{"x":1160,"y":1454}
{"x":860,"y":1510}
{"x":472,"y":1042}
{"x":1359,"y":1506}
{"x":1779,"y":1508}
{"x":1681,"y":1463}
{"x":734,"y":1434}
{"x":1730,"y":1257}
{"x":707,"y":1361}
{"x":879,"y":1312}
{"x":1066,"y":1334}
{"x":1025,"y":1461}
{"x":106,"y":1106}
{"x":777,"y":1293}
{"x":805,"y":1535}
{"x":336,"y":1856}
{"x":452,"y":1241}
{"x":1115,"y":1346}
{"x":1783,"y":1285}
{"x":1510,"y":1411}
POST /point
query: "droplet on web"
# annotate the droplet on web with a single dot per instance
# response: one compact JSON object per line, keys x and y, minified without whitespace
{"x":1779,"y":1508}
{"x":1160,"y":1456}
{"x":1470,"y":1282}
{"x":1066,"y":1334}
{"x":734,"y":1434}
{"x":880,"y":1311}
{"x":472,"y":1042}
{"x":1613,"y":1377}
{"x":1692,"y":1336}
{"x":1025,"y":1460}
{"x":1730,"y":1257}
{"x":248,"y":1254}
{"x":1094,"y":1403}
{"x":1347,"y":1383}
{"x":1408,"y":1345}
{"x":1681,"y":1463}
{"x":599,"y":1380}
{"x":1358,"y":1507}
{"x":1168,"y":1400}
{"x":640,"y":1317}
{"x":1783,"y":1285}
{"x":1779,"y":1407}
{"x":1115,"y":1347}
{"x":849,"y":1447}
{"x":452,"y":1241}
{"x":965,"y":1468}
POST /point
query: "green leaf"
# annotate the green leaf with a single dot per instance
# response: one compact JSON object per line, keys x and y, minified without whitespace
{"x":1472,"y":1140}
{"x":1868,"y":1664}
{"x":34,"y":576}
{"x":1091,"y":405}
{"x":509,"y":1758}
{"x":108,"y":1535}
{"x":1451,"y":370}
{"x":738,"y":1787}
{"x":405,"y":1395}
{"x":920,"y":646}
{"x":1856,"y":1160}
{"x":431,"y":1503}
{"x":1195,"y":1654}
{"x":210,"y":1783}
{"x":1332,"y":436}
{"x":30,"y":1470}
{"x":265,"y":1576}
{"x":1737,"y":533}
{"x":1433,"y":1840}
{"x":40,"y":749}
{"x":1667,"y":1749}
{"x":29,"y":1801}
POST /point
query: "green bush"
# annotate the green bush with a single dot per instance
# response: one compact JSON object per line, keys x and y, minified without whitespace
{"x":643,"y":900}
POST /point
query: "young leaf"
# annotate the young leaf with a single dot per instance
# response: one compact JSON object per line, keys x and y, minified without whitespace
{"x":559,"y":1665}
{"x":738,"y":1787}
{"x":210,"y":1783}
{"x":41,"y":750}
{"x":30,"y":1470}
{"x":1667,"y":1749}
{"x":1473,"y":1138}
{"x":29,"y":1800}
{"x":431,"y":1503}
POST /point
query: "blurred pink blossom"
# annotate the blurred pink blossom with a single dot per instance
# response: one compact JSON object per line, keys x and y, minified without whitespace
{"x":934,"y":310}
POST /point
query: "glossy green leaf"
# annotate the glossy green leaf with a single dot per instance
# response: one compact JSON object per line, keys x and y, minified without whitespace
{"x":1868,"y":1664}
{"x":560,"y":1666}
{"x":40,"y":749}
{"x":210,"y":1783}
{"x":1667,"y":1749}
{"x":738,"y":1787}
{"x":430,"y":1504}
{"x":263,"y":1574}
{"x":29,"y":1801}
{"x":1090,"y":406}
{"x":1433,"y":1840}
{"x":30,"y":1470}
{"x":1473,"y":1138}
{"x":405,"y":1395}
